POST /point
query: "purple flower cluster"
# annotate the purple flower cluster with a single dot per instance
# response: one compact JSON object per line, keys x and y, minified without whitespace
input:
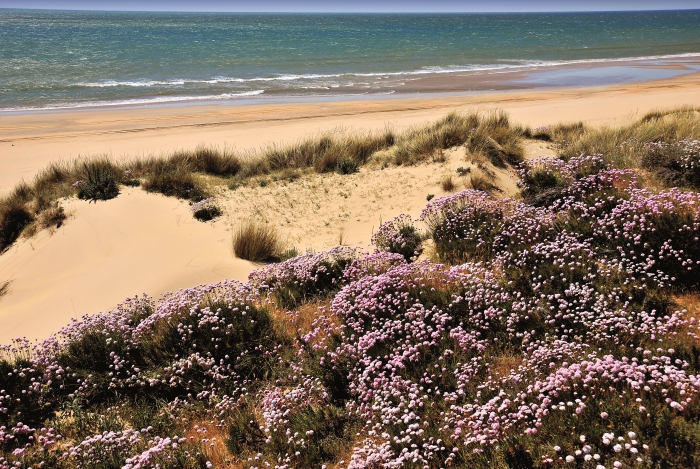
{"x":202,"y":204}
{"x":549,"y":336}
{"x":471,"y":225}
{"x":398,"y":236}
{"x":306,"y":276}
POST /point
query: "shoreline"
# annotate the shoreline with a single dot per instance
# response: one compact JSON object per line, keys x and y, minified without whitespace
{"x":552,"y":75}
{"x":29,"y":142}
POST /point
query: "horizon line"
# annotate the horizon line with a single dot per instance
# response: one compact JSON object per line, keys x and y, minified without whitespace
{"x":96,"y":10}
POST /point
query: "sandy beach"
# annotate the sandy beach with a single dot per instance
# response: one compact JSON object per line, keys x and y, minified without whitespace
{"x":29,"y":141}
{"x":141,"y":242}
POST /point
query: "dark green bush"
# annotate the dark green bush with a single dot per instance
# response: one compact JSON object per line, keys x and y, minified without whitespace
{"x":207,"y":213}
{"x":346,"y":166}
{"x":12,"y":221}
{"x":99,"y":183}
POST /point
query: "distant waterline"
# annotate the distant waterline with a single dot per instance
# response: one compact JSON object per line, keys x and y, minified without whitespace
{"x":83,"y":59}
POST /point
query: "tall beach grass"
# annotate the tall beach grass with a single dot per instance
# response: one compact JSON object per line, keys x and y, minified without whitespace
{"x":180,"y":174}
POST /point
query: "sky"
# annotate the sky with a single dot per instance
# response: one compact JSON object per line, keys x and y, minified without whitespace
{"x":353,"y":5}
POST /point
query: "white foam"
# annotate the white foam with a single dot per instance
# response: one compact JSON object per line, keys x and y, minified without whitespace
{"x":135,"y":102}
{"x":503,"y":65}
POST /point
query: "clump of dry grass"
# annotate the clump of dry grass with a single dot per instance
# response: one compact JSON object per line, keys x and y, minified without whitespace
{"x":480,"y":182}
{"x":627,"y":145}
{"x":177,"y":174}
{"x":447,"y":183}
{"x":490,"y":133}
{"x":323,"y":152}
{"x":257,"y":242}
{"x":51,"y":217}
{"x":4,"y":288}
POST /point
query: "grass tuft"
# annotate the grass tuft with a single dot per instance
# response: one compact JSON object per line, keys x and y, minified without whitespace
{"x":5,"y":288}
{"x":99,"y":181}
{"x":448,"y":184}
{"x":257,"y":242}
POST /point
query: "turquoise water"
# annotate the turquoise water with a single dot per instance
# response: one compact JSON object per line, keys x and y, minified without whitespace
{"x":51,"y":59}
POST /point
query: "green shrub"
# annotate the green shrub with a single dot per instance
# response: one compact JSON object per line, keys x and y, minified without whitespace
{"x":346,"y":166}
{"x":99,"y":183}
{"x":176,"y":183}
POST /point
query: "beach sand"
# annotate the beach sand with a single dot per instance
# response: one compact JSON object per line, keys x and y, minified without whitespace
{"x":142,"y":242}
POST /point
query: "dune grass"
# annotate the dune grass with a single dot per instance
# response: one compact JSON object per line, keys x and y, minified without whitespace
{"x":257,"y":242}
{"x":181,"y":173}
{"x":488,"y":133}
{"x":447,"y":183}
{"x":4,"y":288}
{"x":660,"y":142}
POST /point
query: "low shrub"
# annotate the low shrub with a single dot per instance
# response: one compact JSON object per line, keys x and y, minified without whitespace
{"x":472,"y":226}
{"x":399,"y":236}
{"x":346,"y":166}
{"x":544,"y":180}
{"x":205,"y":210}
{"x":257,"y":242}
{"x":99,"y":181}
{"x":305,"y":277}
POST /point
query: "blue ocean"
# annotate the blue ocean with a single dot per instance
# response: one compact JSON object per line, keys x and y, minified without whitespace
{"x":66,"y":59}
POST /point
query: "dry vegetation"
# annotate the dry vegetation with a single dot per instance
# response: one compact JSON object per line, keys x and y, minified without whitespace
{"x":257,"y":242}
{"x":4,"y":288}
{"x":654,"y":143}
{"x":189,"y":174}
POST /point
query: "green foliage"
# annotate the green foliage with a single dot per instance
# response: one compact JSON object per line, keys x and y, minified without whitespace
{"x":175,"y":183}
{"x":346,"y":166}
{"x":289,"y":254}
{"x":207,"y":213}
{"x":99,"y":183}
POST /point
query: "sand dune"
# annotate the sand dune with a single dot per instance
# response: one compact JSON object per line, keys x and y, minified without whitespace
{"x":108,"y":251}
{"x":142,"y":242}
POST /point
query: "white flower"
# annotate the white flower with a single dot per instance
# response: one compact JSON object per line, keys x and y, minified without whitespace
{"x":569,"y":458}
